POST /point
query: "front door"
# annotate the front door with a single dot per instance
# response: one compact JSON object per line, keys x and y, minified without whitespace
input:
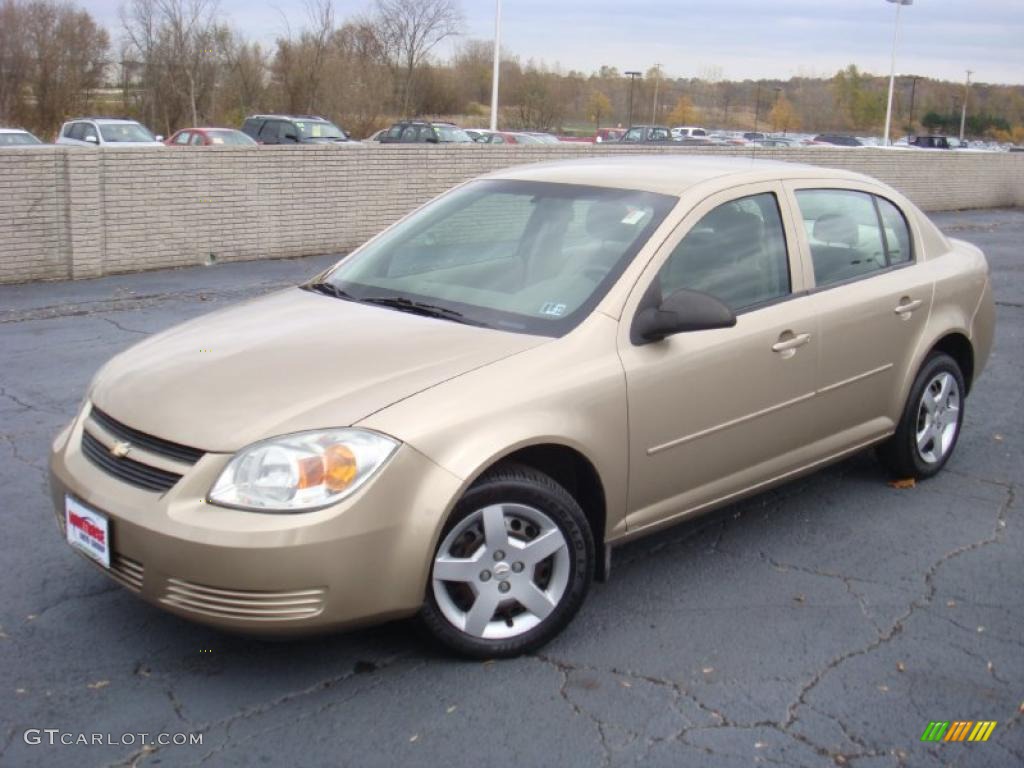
{"x":712,"y":413}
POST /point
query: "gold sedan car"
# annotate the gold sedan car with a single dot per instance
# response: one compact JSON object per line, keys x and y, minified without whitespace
{"x":462,"y":418}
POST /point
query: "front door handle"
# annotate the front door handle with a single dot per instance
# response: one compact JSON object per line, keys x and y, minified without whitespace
{"x":907,"y":305}
{"x":789,"y":342}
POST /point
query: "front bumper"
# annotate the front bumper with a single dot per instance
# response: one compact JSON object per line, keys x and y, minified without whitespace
{"x":365,"y":559}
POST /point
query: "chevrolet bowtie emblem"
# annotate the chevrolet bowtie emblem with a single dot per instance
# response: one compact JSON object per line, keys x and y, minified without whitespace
{"x":120,"y":449}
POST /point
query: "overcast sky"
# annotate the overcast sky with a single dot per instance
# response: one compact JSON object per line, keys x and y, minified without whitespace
{"x":741,"y":38}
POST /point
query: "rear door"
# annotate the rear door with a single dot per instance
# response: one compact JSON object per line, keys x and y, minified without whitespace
{"x":872,"y":294}
{"x":712,"y":413}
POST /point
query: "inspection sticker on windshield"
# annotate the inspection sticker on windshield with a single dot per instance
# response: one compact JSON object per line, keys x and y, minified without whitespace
{"x":633,"y":217}
{"x":552,"y":309}
{"x":88,"y":531}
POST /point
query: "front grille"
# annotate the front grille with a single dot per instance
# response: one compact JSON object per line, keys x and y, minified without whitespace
{"x":247,"y":605}
{"x":127,"y":571}
{"x":128,"y":470}
{"x":155,"y":445}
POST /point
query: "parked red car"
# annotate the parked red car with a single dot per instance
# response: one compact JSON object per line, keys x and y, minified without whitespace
{"x":209,"y":137}
{"x":609,"y":134}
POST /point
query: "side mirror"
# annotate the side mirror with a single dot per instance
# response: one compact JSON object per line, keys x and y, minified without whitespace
{"x":683,"y":311}
{"x":291,"y":137}
{"x":433,"y":140}
{"x":92,"y":139}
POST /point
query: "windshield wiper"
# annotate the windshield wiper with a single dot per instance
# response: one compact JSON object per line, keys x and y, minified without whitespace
{"x":329,"y":289}
{"x":419,"y":308}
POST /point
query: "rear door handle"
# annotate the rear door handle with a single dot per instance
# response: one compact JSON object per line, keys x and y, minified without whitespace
{"x":790,"y":343}
{"x":907,"y":305}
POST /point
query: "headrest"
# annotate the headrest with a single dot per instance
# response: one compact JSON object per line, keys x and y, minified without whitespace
{"x":836,"y":228}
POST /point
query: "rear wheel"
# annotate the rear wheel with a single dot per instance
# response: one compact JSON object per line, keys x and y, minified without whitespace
{"x":930,"y":426}
{"x":514,"y":565}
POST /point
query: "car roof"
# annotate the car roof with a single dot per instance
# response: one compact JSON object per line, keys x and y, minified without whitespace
{"x":109,"y":120}
{"x":13,"y":130}
{"x":667,"y":174}
{"x":288,"y":117}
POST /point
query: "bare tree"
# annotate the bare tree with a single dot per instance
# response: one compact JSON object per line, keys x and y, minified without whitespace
{"x":411,"y":29}
{"x":298,"y":66}
{"x":15,"y":62}
{"x":52,"y":58}
{"x":179,"y":46}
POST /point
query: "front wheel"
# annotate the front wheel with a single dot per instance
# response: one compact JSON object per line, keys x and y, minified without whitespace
{"x":514,"y":564}
{"x":931,"y":421}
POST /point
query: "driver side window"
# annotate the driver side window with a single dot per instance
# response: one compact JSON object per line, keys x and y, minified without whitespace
{"x":736,"y":253}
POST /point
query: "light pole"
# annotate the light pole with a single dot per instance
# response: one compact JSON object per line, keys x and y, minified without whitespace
{"x":654,"y":103}
{"x":913,"y":93}
{"x":963,"y":114}
{"x":892,"y":67}
{"x":757,"y":106}
{"x":632,"y":79}
{"x":497,"y":65}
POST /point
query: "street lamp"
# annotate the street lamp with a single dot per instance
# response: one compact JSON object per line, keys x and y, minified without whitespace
{"x":913,"y":94}
{"x":632,"y":79}
{"x":757,"y":106}
{"x":892,"y":66}
{"x":963,"y":114}
{"x":497,"y":65}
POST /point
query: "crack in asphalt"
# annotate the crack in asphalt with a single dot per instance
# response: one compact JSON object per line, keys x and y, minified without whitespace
{"x":105,"y":590}
{"x":133,"y":760}
{"x":679,"y":692}
{"x":8,"y":739}
{"x":896,"y":628}
{"x":16,"y":454}
{"x":27,"y":406}
{"x":121,"y":327}
{"x":17,"y":401}
{"x":230,"y":722}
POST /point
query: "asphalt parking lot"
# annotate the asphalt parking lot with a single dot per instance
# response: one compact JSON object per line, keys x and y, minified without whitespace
{"x":823,"y":623}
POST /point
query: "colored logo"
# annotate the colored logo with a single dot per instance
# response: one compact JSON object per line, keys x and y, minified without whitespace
{"x":958,"y":730}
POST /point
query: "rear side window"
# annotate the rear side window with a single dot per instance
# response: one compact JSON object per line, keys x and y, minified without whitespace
{"x":895,"y":231}
{"x":268,"y":130}
{"x":736,"y":253}
{"x":852,"y":234}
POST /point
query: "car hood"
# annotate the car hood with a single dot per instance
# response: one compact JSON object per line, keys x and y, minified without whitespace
{"x":287,"y":362}
{"x":134,"y":144}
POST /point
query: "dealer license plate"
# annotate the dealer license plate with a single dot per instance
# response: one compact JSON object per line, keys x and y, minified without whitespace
{"x":88,"y":531}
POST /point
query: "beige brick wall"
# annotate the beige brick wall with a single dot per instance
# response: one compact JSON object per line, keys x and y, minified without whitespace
{"x":71,"y":212}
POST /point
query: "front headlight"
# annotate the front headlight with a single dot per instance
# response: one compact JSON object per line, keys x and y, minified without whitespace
{"x":304,"y":471}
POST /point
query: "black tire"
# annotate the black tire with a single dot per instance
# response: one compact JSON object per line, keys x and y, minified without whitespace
{"x":515,"y":484}
{"x":900,"y":454}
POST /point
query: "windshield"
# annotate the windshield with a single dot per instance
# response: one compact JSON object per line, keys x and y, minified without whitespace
{"x":116,"y":132}
{"x":234,"y":138}
{"x":12,"y":139}
{"x":523,"y":256}
{"x":448,"y":134}
{"x":319,"y":129}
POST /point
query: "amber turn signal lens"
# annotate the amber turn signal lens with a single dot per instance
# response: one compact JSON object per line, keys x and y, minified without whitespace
{"x":339,"y":467}
{"x":311,"y":472}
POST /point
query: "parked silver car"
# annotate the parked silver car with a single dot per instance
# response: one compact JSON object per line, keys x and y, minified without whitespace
{"x":107,"y":131}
